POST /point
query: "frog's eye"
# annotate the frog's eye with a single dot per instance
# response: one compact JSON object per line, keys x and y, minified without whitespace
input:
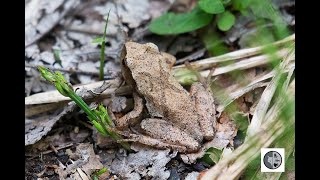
{"x":124,"y":62}
{"x":153,"y":47}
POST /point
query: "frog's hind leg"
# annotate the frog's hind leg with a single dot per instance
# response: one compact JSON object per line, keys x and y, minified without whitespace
{"x":168,"y":133}
{"x":162,"y":134}
{"x":204,"y":104}
{"x":151,"y":142}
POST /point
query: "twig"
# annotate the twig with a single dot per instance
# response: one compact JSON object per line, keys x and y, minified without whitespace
{"x":265,"y":100}
{"x":192,"y":56}
{"x":236,"y":55}
{"x":31,"y":110}
{"x":53,"y":149}
{"x":244,"y":64}
{"x":56,"y":148}
{"x":55,"y":96}
{"x":70,"y":70}
{"x":256,"y":83}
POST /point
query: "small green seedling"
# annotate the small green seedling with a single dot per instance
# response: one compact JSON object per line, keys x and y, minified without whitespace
{"x":56,"y":55}
{"x":99,"y":117}
{"x":212,"y":156}
{"x":99,"y":173}
{"x":102,"y":42}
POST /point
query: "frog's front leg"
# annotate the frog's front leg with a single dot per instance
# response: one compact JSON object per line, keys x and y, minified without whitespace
{"x":132,"y":116}
{"x":205,"y":108}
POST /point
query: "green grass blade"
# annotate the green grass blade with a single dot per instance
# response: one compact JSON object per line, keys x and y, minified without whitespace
{"x":103,"y":45}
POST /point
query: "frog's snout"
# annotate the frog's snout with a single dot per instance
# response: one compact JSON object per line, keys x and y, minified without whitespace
{"x":153,"y":47}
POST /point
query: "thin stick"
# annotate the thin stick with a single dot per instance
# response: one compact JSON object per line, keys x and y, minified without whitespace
{"x":192,"y":56}
{"x":244,"y":64}
{"x":236,"y":55}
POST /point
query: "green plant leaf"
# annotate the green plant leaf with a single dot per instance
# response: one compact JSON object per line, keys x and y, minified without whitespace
{"x":185,"y":76}
{"x":263,"y":9}
{"x":240,"y":5}
{"x":101,"y":171}
{"x":100,"y":128}
{"x":212,"y":6}
{"x":226,"y":21}
{"x":214,"y":43}
{"x":47,"y":74}
{"x":212,"y":155}
{"x":171,"y":23}
{"x":241,"y":120}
